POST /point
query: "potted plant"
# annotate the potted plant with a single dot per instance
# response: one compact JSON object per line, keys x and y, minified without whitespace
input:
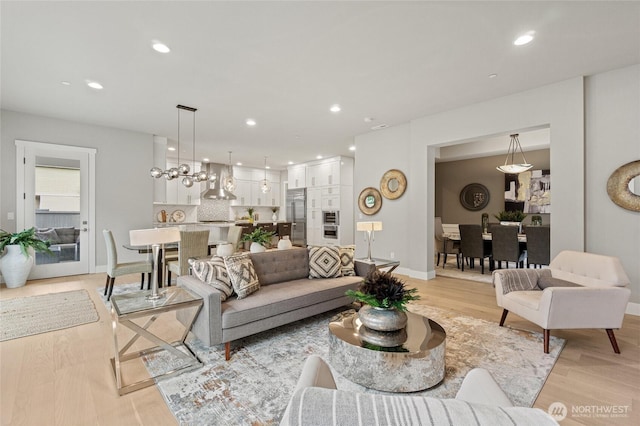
{"x":513,"y":218}
{"x":384,"y":297}
{"x":259,"y":239}
{"x":250,"y":210}
{"x":18,"y":260}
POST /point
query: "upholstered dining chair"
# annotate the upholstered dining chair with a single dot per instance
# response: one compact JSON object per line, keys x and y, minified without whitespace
{"x":234,"y":235}
{"x":191,"y":244}
{"x":444,"y":246}
{"x":505,"y":246}
{"x":115,"y":269}
{"x":538,"y":245}
{"x":472,"y":245}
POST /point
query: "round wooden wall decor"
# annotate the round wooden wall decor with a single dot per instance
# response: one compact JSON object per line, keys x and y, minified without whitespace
{"x":618,"y":186}
{"x":393,"y":184}
{"x":474,"y":197}
{"x":370,"y":201}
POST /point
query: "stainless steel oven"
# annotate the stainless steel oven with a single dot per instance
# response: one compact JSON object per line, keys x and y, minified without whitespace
{"x":331,"y":218}
{"x":330,"y":232}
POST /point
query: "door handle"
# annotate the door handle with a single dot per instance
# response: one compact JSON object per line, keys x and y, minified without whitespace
{"x":85,"y":229}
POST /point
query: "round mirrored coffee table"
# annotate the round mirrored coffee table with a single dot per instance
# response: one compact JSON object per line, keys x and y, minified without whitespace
{"x":406,"y":361}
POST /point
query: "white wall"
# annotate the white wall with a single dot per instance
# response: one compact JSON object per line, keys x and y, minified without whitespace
{"x":611,"y":106}
{"x":124,"y":189}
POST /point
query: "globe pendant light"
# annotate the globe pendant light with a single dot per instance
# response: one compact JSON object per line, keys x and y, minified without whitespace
{"x":513,"y":167}
{"x":183,"y":169}
{"x":265,"y":186}
{"x":229,"y":182}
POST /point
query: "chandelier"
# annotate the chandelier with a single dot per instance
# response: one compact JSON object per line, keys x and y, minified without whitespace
{"x":183,"y":170}
{"x":513,"y":167}
{"x":229,"y":182}
{"x":265,"y":186}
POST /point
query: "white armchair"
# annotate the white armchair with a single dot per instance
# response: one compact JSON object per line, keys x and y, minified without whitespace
{"x":598,"y":299}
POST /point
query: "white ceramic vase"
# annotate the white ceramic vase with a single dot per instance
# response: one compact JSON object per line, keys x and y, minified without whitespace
{"x":257,"y":248}
{"x":15,"y":266}
{"x":224,"y":250}
{"x":274,"y":217}
{"x":284,"y":243}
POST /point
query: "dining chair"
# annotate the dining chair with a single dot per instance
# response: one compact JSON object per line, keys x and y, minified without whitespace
{"x":505,"y":246}
{"x":234,"y":236}
{"x":115,"y":269}
{"x":444,"y":245}
{"x":191,"y":244}
{"x":538,"y":245}
{"x":473,"y":246}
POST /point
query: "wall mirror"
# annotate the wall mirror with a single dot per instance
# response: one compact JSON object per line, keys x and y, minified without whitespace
{"x":623,"y":186}
{"x":393,"y":184}
{"x":369,"y":201}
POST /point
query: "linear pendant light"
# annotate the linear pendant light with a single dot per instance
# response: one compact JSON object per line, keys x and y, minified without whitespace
{"x":513,"y":167}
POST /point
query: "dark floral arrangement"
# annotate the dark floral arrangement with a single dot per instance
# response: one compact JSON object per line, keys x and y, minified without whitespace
{"x":384,"y":290}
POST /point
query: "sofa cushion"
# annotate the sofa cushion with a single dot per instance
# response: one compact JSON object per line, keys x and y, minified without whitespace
{"x":281,"y":265}
{"x":48,"y":234}
{"x":242,"y":274}
{"x":324,"y":262}
{"x":347,"y":267}
{"x":214,"y":273}
{"x":66,"y":235}
{"x":548,"y":281}
{"x":284,"y":297}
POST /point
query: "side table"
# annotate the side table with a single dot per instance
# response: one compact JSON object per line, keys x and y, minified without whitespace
{"x":126,"y":308}
{"x":364,"y":267}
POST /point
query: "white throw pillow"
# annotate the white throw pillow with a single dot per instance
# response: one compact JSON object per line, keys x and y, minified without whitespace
{"x":214,"y":272}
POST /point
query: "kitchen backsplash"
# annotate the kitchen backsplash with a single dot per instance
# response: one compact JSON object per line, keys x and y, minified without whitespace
{"x":213,"y":209}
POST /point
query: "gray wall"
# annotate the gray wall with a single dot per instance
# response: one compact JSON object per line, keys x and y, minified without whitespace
{"x":453,"y":176}
{"x":123,"y":187}
{"x":593,"y":130}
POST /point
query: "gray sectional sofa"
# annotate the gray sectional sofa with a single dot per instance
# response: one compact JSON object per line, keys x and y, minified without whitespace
{"x":286,"y":294}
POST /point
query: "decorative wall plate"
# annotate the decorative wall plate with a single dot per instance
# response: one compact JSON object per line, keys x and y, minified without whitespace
{"x":474,"y":197}
{"x":618,"y":186}
{"x":393,"y":184}
{"x":370,"y":201}
{"x":178,"y":216}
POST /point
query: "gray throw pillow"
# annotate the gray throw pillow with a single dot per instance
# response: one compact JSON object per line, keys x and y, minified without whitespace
{"x":214,"y":272}
{"x":48,"y":235}
{"x":548,"y":281}
{"x":66,"y":235}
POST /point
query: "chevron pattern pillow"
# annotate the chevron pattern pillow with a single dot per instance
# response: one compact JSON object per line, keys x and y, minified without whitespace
{"x":347,"y":267}
{"x":243,"y":274}
{"x":324,"y":262}
{"x":214,"y":272}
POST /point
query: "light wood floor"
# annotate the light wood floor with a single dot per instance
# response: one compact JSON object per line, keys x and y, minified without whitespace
{"x":64,"y":378}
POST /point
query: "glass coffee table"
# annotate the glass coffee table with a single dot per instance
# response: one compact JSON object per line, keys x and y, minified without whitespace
{"x":410,"y":360}
{"x":125,"y":308}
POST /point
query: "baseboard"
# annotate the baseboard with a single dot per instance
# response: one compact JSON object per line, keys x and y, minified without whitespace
{"x":633,"y":309}
{"x":421,"y":275}
{"x":101,"y":269}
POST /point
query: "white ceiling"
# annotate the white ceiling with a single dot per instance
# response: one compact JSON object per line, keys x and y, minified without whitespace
{"x":285,"y":63}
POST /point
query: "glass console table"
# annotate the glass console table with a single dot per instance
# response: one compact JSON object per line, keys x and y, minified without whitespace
{"x":126,"y":308}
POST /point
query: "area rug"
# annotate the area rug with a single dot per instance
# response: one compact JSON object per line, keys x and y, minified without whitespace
{"x":26,"y":316}
{"x":254,"y":387}
{"x":451,"y":271}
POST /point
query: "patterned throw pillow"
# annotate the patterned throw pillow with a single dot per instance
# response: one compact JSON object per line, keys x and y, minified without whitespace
{"x":243,"y":274}
{"x":214,"y":272}
{"x":347,"y":253}
{"x":324,"y":262}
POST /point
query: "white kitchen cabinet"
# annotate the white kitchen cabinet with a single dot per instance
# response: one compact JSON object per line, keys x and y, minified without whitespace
{"x":177,"y":193}
{"x":297,"y":176}
{"x":314,"y":227}
{"x":242,"y":193}
{"x":325,"y":173}
{"x":314,"y":198}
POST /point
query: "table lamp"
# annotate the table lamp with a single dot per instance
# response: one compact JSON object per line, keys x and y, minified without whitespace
{"x":155,"y":238}
{"x":369,"y":228}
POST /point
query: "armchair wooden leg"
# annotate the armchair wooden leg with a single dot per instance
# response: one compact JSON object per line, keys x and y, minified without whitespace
{"x":438,"y":260}
{"x":227,"y":351}
{"x":612,"y":339}
{"x":106,"y":285}
{"x":111,"y":282}
{"x":546,"y":341}
{"x":142,"y":281}
{"x":504,"y":317}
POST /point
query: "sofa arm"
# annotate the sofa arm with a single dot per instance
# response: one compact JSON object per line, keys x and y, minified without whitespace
{"x":479,"y":387}
{"x":583,"y":307}
{"x":208,"y":325}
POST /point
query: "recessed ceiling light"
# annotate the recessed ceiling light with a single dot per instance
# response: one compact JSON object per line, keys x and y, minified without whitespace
{"x":493,"y":75}
{"x":524,"y":39}
{"x":335,"y":108}
{"x":171,"y":148}
{"x":160,"y":47}
{"x":369,"y":119}
{"x":318,"y":157}
{"x":250,"y":122}
{"x":94,"y":85}
{"x":380,"y":126}
{"x":238,"y":164}
{"x":65,"y":83}
{"x":206,"y":160}
{"x":267,"y":167}
{"x":290,"y":163}
{"x":352,"y":148}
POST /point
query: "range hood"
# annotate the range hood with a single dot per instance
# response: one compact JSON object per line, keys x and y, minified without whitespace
{"x":214,"y":190}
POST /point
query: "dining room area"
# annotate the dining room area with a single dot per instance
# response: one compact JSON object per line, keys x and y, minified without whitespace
{"x":486,"y":218}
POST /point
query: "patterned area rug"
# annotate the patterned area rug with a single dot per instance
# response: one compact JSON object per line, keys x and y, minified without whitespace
{"x":255,"y":385}
{"x":26,"y":316}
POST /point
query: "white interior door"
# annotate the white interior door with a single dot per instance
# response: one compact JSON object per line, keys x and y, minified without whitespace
{"x":55,"y":193}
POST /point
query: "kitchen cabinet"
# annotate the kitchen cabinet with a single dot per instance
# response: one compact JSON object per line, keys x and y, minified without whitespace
{"x":314,"y":227}
{"x":297,"y":176}
{"x":314,"y":197}
{"x":242,"y":193}
{"x":325,"y":173}
{"x":177,"y":193}
{"x":248,"y":188}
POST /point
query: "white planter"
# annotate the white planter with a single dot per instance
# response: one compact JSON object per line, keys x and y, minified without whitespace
{"x":257,"y":248}
{"x":15,"y":266}
{"x":225,"y":250}
{"x":284,"y":243}
{"x":274,"y":217}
